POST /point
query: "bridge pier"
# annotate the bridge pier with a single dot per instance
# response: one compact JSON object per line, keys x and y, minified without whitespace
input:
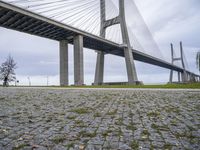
{"x":193,"y":78}
{"x":184,"y":77}
{"x":99,"y":72}
{"x":78,"y":61}
{"x":190,"y":78}
{"x":171,"y":71}
{"x":171,"y":76}
{"x":197,"y":78}
{"x":64,"y":79}
{"x":179,"y":77}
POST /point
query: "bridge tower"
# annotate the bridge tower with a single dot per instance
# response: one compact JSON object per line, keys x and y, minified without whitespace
{"x":120,"y":19}
{"x":183,"y":74}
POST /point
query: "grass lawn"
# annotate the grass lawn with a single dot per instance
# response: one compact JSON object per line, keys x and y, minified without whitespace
{"x":164,"y":86}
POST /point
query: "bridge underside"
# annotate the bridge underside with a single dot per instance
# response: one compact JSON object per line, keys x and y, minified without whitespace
{"x":31,"y":24}
{"x":15,"y":18}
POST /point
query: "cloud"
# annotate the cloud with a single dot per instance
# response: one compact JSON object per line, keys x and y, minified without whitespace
{"x":157,"y":14}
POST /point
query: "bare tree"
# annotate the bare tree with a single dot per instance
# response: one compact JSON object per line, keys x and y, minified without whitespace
{"x":198,"y":60}
{"x":7,"y":73}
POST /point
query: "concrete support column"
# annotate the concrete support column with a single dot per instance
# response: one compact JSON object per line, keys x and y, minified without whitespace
{"x":190,"y":78}
{"x":64,"y":81}
{"x":193,"y":78}
{"x":184,"y":76}
{"x":179,"y":77}
{"x":171,"y":76}
{"x":130,"y":66}
{"x":78,"y":60}
{"x":99,"y":72}
{"x":171,"y":71}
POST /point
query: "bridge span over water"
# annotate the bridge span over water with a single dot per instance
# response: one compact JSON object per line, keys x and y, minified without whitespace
{"x":16,"y":18}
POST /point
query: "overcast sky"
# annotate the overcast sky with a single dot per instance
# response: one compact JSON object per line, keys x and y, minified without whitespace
{"x":168,"y":20}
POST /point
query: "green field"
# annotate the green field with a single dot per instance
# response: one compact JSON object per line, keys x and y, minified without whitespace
{"x":164,"y":86}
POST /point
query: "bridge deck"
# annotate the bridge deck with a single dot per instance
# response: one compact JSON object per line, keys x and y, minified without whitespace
{"x":16,"y":18}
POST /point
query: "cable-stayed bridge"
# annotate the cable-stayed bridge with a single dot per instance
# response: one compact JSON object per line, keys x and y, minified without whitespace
{"x":95,"y":24}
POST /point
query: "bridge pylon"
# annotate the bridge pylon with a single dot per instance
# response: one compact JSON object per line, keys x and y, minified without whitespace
{"x":120,"y":19}
{"x":182,"y":76}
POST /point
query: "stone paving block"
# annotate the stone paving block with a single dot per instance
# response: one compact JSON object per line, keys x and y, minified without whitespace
{"x":95,"y":119}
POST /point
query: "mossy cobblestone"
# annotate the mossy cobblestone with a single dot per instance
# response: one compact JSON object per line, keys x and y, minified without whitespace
{"x":39,"y":118}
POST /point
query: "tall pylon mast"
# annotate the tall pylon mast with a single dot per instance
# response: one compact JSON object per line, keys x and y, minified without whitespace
{"x":120,"y":19}
{"x":183,"y":74}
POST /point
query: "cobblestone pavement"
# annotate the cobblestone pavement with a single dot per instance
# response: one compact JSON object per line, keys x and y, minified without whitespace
{"x":95,"y":119}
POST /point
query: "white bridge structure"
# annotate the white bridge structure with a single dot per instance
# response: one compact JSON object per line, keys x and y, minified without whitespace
{"x":86,"y":24}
